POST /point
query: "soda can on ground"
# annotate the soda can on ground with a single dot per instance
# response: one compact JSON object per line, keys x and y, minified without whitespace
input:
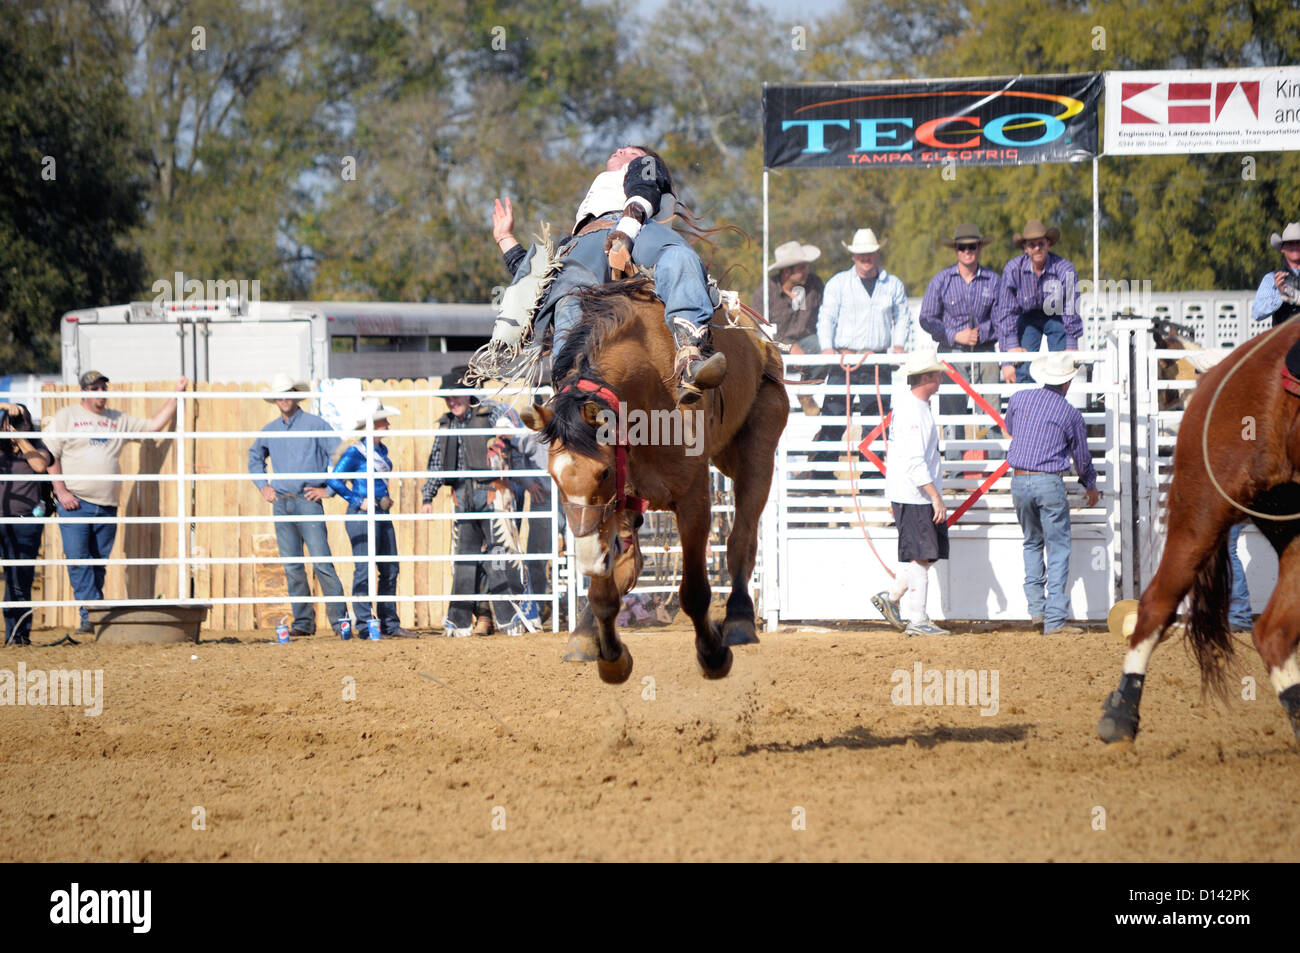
{"x":282,"y":633}
{"x":375,"y":634}
{"x":345,"y":629}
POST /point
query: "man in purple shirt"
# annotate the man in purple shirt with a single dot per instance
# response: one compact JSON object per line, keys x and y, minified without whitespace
{"x":1046,"y":432}
{"x":1039,"y":298}
{"x":957,"y":311}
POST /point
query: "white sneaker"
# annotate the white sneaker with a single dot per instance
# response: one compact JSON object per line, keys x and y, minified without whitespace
{"x":924,"y":628}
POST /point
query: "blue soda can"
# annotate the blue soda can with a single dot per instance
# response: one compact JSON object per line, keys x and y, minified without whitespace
{"x":282,"y":634}
{"x":375,"y":634}
{"x":345,"y":629}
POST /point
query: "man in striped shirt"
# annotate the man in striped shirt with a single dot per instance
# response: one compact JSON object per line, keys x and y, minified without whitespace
{"x":1039,"y":299}
{"x":1046,"y":433}
{"x":957,"y":311}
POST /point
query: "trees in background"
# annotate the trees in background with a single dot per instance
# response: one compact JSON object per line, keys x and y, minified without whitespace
{"x":353,"y":150}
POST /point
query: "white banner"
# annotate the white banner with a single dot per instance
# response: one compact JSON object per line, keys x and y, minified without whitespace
{"x":1209,"y":110}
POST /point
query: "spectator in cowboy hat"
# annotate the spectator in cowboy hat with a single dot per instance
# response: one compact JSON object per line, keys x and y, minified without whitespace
{"x":357,"y":492}
{"x":914,"y":484}
{"x":1039,"y":299}
{"x":298,"y":496}
{"x":794,"y":296}
{"x":92,"y":486}
{"x":1046,"y":432}
{"x":864,"y":310}
{"x":957,"y":311}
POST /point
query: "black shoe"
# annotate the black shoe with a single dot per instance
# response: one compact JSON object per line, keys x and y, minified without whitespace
{"x":85,"y":629}
{"x":401,"y":634}
{"x":300,"y":634}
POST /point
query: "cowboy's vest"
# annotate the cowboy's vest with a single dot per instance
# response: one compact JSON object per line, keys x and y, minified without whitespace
{"x":1285,"y":313}
{"x":475,"y":444}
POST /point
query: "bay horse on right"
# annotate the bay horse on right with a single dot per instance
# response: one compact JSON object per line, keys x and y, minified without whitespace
{"x":1241,"y":430}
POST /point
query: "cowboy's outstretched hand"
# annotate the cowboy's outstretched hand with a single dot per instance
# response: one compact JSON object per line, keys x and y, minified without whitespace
{"x":503,"y":219}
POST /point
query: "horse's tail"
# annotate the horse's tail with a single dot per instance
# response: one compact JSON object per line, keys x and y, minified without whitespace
{"x":1207,"y":622}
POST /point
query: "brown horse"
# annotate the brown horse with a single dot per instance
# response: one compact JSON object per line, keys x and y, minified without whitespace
{"x":618,"y":443}
{"x":1241,"y":430}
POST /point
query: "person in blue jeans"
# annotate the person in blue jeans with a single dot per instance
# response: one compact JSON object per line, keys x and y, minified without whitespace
{"x":1046,"y":432}
{"x":297,"y":496}
{"x":357,"y":493}
{"x":1240,"y":617}
{"x":20,"y":454}
{"x":89,"y":484}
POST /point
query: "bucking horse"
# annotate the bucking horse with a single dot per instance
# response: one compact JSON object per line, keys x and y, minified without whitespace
{"x":618,"y":444}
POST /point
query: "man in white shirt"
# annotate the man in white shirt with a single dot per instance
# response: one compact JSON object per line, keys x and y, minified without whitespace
{"x":864,"y":310}
{"x":913,"y":483}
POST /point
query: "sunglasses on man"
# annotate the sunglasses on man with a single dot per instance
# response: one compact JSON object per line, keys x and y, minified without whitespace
{"x":968,"y":247}
{"x":1035,"y":244}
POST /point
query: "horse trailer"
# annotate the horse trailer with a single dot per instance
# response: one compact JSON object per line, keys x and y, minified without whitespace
{"x":235,"y":341}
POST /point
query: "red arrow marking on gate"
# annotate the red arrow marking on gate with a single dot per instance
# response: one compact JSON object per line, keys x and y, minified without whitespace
{"x":955,"y":376}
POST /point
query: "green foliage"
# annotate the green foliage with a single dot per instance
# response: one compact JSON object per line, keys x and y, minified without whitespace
{"x":72,"y":189}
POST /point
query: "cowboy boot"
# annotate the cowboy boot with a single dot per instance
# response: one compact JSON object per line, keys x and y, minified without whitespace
{"x":695,"y":373}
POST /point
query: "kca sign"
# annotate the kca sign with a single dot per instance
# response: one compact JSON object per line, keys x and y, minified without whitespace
{"x":1199,"y":111}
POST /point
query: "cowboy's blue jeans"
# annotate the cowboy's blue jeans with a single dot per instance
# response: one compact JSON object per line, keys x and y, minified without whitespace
{"x":1033,"y":326}
{"x":87,"y":541}
{"x":1239,"y":606}
{"x":290,"y":538}
{"x":1043,"y":510}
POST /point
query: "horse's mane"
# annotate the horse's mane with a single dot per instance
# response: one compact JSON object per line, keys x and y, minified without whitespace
{"x":604,"y":309}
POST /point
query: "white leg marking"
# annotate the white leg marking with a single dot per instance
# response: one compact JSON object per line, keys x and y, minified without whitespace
{"x":1135,"y":660}
{"x":1285,"y":675}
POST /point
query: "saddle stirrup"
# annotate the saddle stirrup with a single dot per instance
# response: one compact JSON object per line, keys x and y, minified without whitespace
{"x":696,"y":374}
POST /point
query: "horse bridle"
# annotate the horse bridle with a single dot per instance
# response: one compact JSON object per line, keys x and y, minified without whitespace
{"x":586,"y":518}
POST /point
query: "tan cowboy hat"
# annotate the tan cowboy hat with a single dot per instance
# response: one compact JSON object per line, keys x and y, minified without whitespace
{"x":1289,"y":234}
{"x":372,"y":409}
{"x":864,"y":241}
{"x":1036,"y":229}
{"x":1054,"y":368}
{"x":922,"y":362}
{"x":284,"y":384}
{"x":964,"y":234}
{"x":1122,"y":618}
{"x":794,"y":253}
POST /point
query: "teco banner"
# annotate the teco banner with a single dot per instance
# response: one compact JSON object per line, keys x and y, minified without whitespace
{"x":992,"y":121}
{"x":1209,"y":110}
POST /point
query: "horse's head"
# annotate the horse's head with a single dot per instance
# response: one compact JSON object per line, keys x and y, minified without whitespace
{"x":1172,"y":336}
{"x":587,"y":468}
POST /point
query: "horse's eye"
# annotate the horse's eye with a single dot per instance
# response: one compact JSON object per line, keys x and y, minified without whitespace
{"x":604,"y":474}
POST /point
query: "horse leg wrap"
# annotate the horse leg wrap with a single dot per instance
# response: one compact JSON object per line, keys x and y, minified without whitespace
{"x":1119,"y":719}
{"x":1290,"y":699}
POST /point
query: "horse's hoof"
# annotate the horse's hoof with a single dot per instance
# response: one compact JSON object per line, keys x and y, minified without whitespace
{"x":1290,"y":699}
{"x":739,"y":632}
{"x":1116,"y":723}
{"x":582,"y":648}
{"x":617,"y":671}
{"x":719,"y":668}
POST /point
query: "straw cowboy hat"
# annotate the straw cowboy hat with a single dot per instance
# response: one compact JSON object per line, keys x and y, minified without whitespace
{"x":284,"y":385}
{"x":864,"y":241}
{"x":373,"y":410}
{"x":922,"y":362}
{"x":1035,"y":229}
{"x":1122,"y":618}
{"x":794,"y":253}
{"x":964,"y":234}
{"x":1058,"y":367}
{"x":1289,"y":234}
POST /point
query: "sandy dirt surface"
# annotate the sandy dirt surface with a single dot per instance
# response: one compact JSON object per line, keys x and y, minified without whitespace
{"x":804,"y":732}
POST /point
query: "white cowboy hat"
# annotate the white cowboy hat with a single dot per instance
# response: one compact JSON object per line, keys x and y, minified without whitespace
{"x":284,"y":384}
{"x":1289,"y":234}
{"x":864,"y":241}
{"x":372,"y":409}
{"x":922,"y":362}
{"x":794,"y":253}
{"x":1058,"y":367}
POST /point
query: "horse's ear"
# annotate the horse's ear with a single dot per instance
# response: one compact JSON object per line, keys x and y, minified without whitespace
{"x":591,"y":412}
{"x":535,"y":417}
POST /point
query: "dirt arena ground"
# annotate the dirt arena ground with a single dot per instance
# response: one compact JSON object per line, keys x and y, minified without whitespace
{"x":261,"y":738}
